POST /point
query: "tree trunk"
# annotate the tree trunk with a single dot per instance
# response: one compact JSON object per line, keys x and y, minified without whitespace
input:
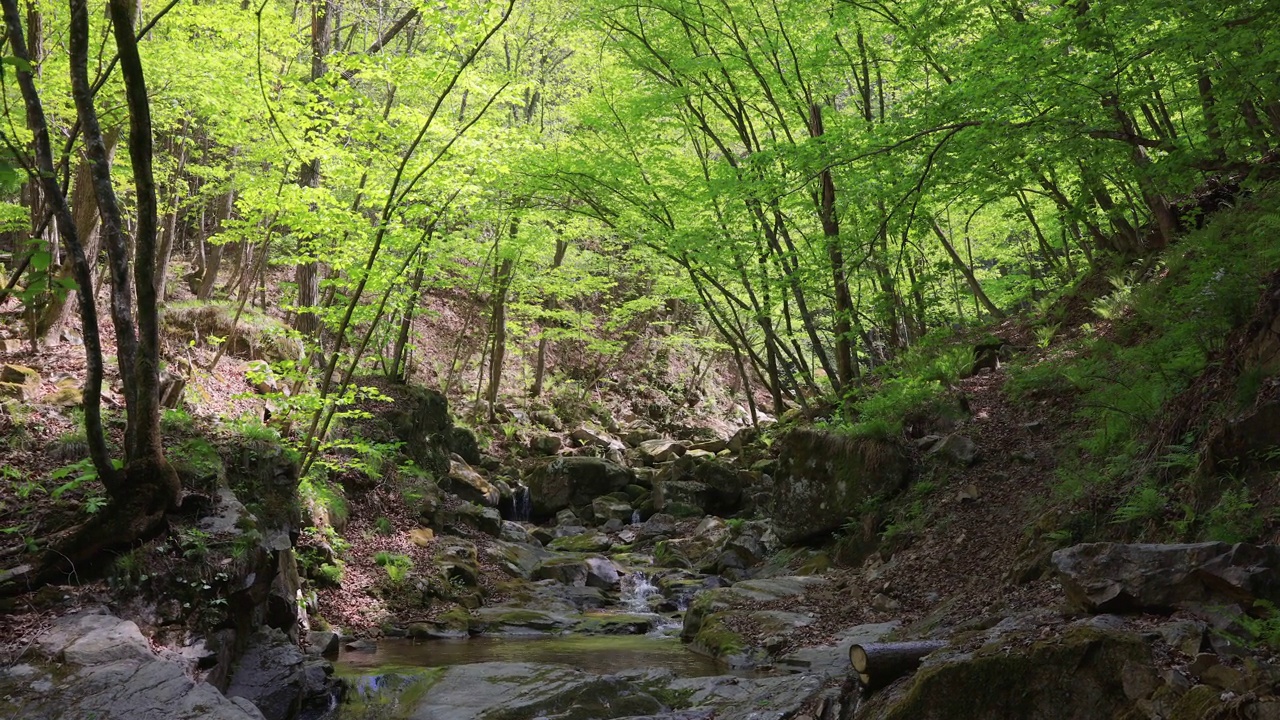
{"x":965,"y":270}
{"x":307,"y":273}
{"x":213,"y":261}
{"x":846,"y":364}
{"x":879,"y":664}
{"x":498,"y":323}
{"x":171,"y":219}
{"x":550,"y":305}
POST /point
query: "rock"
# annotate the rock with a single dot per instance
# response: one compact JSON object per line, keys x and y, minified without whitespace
{"x":613,"y":525}
{"x":515,"y":558}
{"x":323,"y":642}
{"x":824,"y":479}
{"x":680,"y":497}
{"x":885,"y":604}
{"x":595,"y":436}
{"x":583,"y":543}
{"x":19,"y":382}
{"x":483,"y":519}
{"x":742,"y":438}
{"x":1114,"y":577}
{"x":635,"y":436}
{"x":94,"y":639}
{"x":276,"y":677}
{"x":658,"y":525}
{"x":66,"y":393}
{"x":710,"y":446}
{"x":545,"y":444}
{"x":564,"y":570}
{"x":515,"y":532}
{"x":956,"y":448}
{"x":602,"y":573}
{"x":462,"y":441}
{"x":528,"y":690}
{"x":659,"y":451}
{"x":700,"y":482}
{"x":574,"y":481}
{"x":422,"y":537}
{"x":1079,"y":676}
{"x":607,"y":508}
{"x":547,"y":419}
{"x":567,"y":518}
{"x":470,"y":485}
{"x":500,"y":620}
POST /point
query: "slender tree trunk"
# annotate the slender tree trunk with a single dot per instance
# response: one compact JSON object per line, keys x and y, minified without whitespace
{"x":171,"y":219}
{"x":965,"y":270}
{"x":307,"y":273}
{"x":551,"y":304}
{"x":213,"y":261}
{"x":498,"y":322}
{"x":846,"y":363}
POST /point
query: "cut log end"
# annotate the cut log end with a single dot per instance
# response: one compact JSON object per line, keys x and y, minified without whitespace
{"x":878,"y":664}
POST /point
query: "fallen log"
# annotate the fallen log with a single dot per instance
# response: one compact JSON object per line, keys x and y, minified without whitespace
{"x":878,"y":664}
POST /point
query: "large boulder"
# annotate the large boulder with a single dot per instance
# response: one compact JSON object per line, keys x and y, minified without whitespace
{"x":699,"y":482}
{"x":106,"y":670}
{"x":824,"y":479}
{"x":19,"y":382}
{"x":1083,"y":675}
{"x":574,"y":482}
{"x":276,"y":677}
{"x":1115,"y":577}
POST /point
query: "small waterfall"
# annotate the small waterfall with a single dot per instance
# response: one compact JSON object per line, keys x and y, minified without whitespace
{"x":523,"y":505}
{"x":635,"y":592}
{"x":635,"y":517}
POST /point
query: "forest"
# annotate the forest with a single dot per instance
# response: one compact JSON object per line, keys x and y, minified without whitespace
{"x":818,"y":342}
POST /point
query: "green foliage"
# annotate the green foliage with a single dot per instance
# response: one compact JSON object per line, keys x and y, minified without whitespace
{"x":1146,"y":504}
{"x":1234,"y":518}
{"x":1263,"y":627}
{"x":396,"y":565}
{"x":383,"y":526}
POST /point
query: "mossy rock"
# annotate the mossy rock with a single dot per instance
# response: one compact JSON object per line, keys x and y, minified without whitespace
{"x":198,"y":464}
{"x":586,"y":543}
{"x":614,"y":624}
{"x":258,"y":336}
{"x":1074,"y":677}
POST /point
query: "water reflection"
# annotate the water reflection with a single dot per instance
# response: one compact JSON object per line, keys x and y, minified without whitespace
{"x":605,"y":654}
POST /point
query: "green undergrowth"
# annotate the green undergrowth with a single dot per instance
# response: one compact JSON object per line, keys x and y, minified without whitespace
{"x":1155,"y":330}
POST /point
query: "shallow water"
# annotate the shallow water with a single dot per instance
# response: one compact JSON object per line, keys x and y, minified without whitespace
{"x":602,"y":654}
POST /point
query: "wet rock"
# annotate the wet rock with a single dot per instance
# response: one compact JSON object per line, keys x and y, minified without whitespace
{"x":602,"y":573}
{"x":1115,"y":577}
{"x":323,"y":642}
{"x":574,"y":482}
{"x":823,"y":479}
{"x":276,"y":677}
